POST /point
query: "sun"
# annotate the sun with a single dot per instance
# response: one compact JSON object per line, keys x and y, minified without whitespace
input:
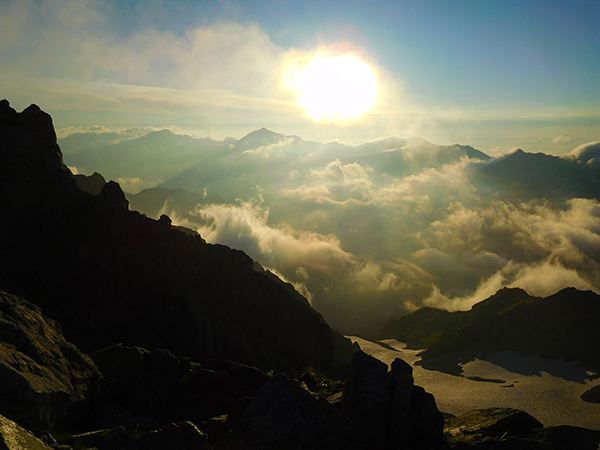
{"x":336,"y":88}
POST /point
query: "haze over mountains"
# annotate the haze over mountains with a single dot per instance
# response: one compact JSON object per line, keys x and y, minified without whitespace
{"x":373,"y":231}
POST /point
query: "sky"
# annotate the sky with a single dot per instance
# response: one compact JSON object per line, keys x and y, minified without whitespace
{"x":496,"y":75}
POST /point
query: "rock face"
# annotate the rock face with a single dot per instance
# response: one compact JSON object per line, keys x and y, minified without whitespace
{"x":45,"y":381}
{"x":112,"y":275}
{"x":13,"y":437}
{"x":387,"y":410}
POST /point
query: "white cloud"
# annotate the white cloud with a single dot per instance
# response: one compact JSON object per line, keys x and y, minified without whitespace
{"x":135,"y":185}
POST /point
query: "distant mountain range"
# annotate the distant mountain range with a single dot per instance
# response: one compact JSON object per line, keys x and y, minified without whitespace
{"x":367,"y":232}
{"x":562,"y":326}
{"x":179,"y":161}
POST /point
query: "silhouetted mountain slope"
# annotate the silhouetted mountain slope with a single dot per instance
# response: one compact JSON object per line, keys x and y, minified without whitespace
{"x":563,"y":325}
{"x":527,"y":176}
{"x":112,"y":275}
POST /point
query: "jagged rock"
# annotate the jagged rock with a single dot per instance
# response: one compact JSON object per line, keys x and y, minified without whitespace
{"x":491,"y":422}
{"x":142,"y":389}
{"x":137,"y":379}
{"x":112,"y":275}
{"x":183,"y":435}
{"x":365,"y":400}
{"x":568,"y":437}
{"x":14,"y":437}
{"x":401,"y":395}
{"x":426,"y":422}
{"x":46,"y":381}
{"x":387,"y":410}
{"x":284,"y":415}
{"x":92,"y":184}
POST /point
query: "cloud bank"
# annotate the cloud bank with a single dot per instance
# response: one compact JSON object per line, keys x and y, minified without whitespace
{"x":365,"y":246}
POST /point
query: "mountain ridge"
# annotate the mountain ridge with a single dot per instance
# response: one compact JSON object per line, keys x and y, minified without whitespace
{"x":109,"y":275}
{"x":561,"y":325}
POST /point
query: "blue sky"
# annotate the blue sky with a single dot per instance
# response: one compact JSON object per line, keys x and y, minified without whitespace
{"x":493,"y":74}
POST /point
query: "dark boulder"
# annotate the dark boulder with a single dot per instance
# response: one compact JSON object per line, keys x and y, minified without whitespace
{"x":366,"y":399}
{"x":387,"y":409}
{"x":568,"y":437}
{"x":425,"y":422}
{"x":143,"y":389}
{"x":402,"y":396}
{"x":137,"y":379}
{"x":286,"y":416}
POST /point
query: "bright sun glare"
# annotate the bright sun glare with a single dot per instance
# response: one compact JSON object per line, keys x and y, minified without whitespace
{"x":335,"y":88}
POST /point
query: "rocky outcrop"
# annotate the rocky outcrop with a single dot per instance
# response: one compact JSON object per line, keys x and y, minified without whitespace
{"x":112,"y":275}
{"x":92,"y":184}
{"x":378,"y":410}
{"x":14,"y":437}
{"x":491,"y":422}
{"x":284,"y":415}
{"x":387,"y":410}
{"x":154,"y":388}
{"x":45,"y":381}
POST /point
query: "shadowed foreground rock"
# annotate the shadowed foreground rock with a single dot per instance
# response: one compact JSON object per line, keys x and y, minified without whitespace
{"x":14,"y":437}
{"x":491,"y":422}
{"x":379,"y":410}
{"x":286,"y":416}
{"x":495,"y":428}
{"x":45,"y":381}
{"x":568,"y":437}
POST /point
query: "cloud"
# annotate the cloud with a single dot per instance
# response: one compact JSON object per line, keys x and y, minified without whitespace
{"x":540,"y":247}
{"x":135,"y":185}
{"x":586,"y":152}
{"x":563,"y":139}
